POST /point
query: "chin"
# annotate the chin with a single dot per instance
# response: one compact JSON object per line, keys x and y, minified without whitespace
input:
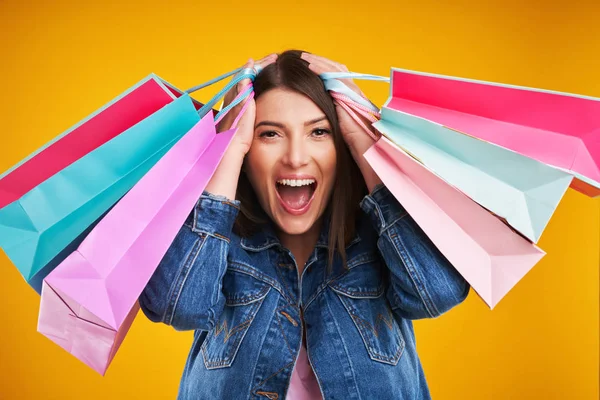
{"x":295,"y":225}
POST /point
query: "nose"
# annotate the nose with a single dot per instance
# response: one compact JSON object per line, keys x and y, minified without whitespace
{"x":297,"y":152}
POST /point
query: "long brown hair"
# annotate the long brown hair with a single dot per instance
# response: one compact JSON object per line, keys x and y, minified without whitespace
{"x":292,"y":73}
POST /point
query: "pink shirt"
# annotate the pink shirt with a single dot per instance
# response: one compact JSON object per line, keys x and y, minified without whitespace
{"x":304,"y":385}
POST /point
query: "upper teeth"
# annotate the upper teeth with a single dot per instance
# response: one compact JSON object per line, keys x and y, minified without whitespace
{"x":296,"y":182}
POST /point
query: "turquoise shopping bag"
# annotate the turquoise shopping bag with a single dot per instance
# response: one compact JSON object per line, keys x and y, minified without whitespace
{"x":522,"y":191}
{"x":40,"y":229}
{"x":48,"y":219}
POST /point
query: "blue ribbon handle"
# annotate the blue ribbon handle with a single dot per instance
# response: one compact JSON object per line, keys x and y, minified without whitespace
{"x":353,"y":75}
{"x":234,"y":103}
{"x":212,"y":81}
{"x":242,"y":73}
{"x":332,"y":82}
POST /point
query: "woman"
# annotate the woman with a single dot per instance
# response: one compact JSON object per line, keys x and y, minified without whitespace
{"x":304,"y":278}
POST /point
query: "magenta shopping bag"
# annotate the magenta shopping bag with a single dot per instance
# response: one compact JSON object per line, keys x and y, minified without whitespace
{"x":131,"y":107}
{"x":90,"y":300}
{"x":558,"y":129}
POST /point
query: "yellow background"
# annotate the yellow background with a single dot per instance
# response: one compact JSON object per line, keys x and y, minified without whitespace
{"x":61,"y":61}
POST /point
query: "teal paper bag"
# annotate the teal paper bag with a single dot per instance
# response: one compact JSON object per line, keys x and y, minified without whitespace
{"x":522,"y":191}
{"x":42,"y":223}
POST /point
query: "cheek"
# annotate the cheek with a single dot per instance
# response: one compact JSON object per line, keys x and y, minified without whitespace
{"x":258,"y":167}
{"x":327,"y":160}
{"x":258,"y":152}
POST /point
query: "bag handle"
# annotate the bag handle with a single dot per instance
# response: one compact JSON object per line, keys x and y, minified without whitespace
{"x":333,"y":83}
{"x":212,"y":81}
{"x":353,"y":108}
{"x":336,"y":86}
{"x":353,"y":75}
{"x":246,"y":94}
{"x":354,"y":103}
{"x":242,"y":73}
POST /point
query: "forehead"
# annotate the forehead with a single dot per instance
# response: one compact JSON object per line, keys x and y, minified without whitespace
{"x":286,"y":106}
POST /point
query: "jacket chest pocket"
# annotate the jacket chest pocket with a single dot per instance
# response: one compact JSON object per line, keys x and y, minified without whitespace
{"x":361,"y":291}
{"x":243,"y":297}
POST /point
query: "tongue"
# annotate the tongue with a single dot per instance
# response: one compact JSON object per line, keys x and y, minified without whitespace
{"x":295,"y":197}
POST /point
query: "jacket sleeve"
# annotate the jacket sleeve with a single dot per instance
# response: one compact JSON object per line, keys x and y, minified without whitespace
{"x":423,"y":283}
{"x":185,"y":290}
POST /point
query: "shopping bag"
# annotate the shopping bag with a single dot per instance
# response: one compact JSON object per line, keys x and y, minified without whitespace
{"x":559,"y":129}
{"x":483,"y":249}
{"x":89,"y":301}
{"x":522,"y":191}
{"x":142,"y":100}
{"x":44,"y":221}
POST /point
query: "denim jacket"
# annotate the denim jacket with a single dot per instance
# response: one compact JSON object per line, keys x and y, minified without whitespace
{"x":243,"y":298}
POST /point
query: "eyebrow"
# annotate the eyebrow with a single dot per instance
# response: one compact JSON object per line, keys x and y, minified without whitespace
{"x":282,"y":126}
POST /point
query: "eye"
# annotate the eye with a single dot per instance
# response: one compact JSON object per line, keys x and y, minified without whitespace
{"x":268,"y":134}
{"x":320,"y":132}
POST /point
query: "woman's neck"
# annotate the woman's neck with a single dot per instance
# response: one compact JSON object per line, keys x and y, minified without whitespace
{"x":301,"y":245}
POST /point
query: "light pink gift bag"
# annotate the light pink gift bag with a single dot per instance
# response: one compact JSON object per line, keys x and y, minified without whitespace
{"x":90,"y":300}
{"x":484,"y":250}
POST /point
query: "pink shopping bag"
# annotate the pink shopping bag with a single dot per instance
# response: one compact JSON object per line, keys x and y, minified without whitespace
{"x":559,"y":129}
{"x":90,"y":300}
{"x":488,"y":253}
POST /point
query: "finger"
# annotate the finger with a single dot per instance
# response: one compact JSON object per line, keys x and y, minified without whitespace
{"x":319,"y":68}
{"x":313,"y":58}
{"x":234,"y":91}
{"x":263,"y":62}
{"x":327,"y":64}
{"x":321,"y":65}
{"x":270,"y":56}
{"x":245,"y":81}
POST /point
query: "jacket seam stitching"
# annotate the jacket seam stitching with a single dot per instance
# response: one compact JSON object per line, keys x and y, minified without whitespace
{"x":188,"y":268}
{"x":348,"y":357}
{"x":271,"y":376}
{"x":366,"y":342}
{"x":249,"y":299}
{"x":288,"y":292}
{"x":282,"y":332}
{"x":215,"y":235}
{"x":409,"y":267}
{"x":319,"y":290}
{"x":167,"y":318}
{"x":250,"y":272}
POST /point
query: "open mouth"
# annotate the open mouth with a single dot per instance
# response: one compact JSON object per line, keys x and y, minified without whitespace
{"x":296,"y":195}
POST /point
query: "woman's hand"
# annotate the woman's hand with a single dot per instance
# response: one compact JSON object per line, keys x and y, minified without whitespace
{"x":242,"y":140}
{"x":356,"y":138}
{"x":225,"y":179}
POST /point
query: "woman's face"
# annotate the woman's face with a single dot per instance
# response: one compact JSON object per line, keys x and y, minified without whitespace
{"x":291,"y":163}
